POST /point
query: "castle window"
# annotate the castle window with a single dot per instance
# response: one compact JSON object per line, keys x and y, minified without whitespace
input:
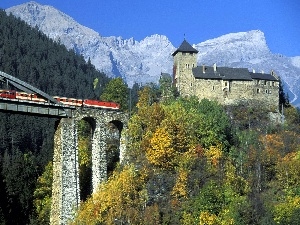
{"x":257,"y":82}
{"x":273,"y":83}
{"x":191,"y":53}
{"x":191,"y":84}
{"x":266,"y":91}
{"x":213,"y":88}
{"x":193,"y":65}
{"x":265,"y":82}
{"x":183,"y":53}
{"x":257,"y":90}
{"x":225,"y":84}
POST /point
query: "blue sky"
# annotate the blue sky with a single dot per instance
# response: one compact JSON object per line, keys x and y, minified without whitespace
{"x":199,"y":20}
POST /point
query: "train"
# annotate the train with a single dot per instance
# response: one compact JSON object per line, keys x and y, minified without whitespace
{"x":12,"y":94}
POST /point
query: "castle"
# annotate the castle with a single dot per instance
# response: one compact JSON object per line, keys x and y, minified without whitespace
{"x":223,"y":84}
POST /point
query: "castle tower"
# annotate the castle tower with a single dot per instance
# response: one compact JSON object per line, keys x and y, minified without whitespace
{"x":185,"y":59}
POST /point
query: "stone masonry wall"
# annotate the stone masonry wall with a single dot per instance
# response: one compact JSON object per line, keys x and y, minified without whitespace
{"x":231,"y":92}
{"x":184,"y":79}
{"x":65,"y":188}
{"x":99,"y":163}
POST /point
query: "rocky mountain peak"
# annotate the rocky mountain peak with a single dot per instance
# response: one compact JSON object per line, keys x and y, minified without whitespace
{"x":49,"y":20}
{"x":234,"y":47}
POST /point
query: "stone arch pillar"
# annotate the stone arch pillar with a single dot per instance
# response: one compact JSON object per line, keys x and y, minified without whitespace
{"x":99,"y":163}
{"x":65,"y":187}
{"x":123,"y":141}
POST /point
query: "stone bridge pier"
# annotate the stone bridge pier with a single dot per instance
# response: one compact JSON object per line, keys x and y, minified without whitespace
{"x":65,"y":187}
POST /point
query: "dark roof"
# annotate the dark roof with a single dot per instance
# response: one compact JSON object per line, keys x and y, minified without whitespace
{"x":227,"y":73}
{"x":222,"y":73}
{"x":185,"y":47}
{"x":262,"y":76}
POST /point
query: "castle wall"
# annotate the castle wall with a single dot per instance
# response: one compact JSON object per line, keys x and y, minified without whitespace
{"x":224,"y":91}
{"x":231,"y":92}
{"x":268,"y":93}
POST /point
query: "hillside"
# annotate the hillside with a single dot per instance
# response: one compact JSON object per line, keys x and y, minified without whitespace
{"x":191,"y":163}
{"x":143,"y":61}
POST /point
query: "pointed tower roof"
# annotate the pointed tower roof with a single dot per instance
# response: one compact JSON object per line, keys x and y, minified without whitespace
{"x":185,"y":47}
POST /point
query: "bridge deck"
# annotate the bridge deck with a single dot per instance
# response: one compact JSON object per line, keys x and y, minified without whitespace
{"x":38,"y":108}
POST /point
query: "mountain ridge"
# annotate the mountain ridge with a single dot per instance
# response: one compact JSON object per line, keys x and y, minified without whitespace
{"x":143,"y":61}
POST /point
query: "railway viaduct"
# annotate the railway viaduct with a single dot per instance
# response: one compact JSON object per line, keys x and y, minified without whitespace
{"x":65,"y":188}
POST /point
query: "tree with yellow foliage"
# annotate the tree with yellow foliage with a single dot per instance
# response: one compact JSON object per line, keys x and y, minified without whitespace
{"x":161,"y":153}
{"x":286,"y":207}
{"x":43,"y":195}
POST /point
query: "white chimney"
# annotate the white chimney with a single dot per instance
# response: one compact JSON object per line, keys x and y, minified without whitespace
{"x":215,"y":67}
{"x":203,"y":68}
{"x":253,"y":70}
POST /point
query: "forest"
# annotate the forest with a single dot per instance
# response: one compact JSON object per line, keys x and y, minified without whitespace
{"x":187,"y":161}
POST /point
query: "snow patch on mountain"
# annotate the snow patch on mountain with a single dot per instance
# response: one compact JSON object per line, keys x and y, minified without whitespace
{"x":296,"y":61}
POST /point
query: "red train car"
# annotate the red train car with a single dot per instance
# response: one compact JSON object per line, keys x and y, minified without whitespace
{"x":100,"y":104}
{"x":11,"y":94}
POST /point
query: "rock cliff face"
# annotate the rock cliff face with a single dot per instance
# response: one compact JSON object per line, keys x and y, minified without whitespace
{"x":143,"y":61}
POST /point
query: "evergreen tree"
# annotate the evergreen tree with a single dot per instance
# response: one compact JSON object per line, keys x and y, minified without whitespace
{"x":116,"y":91}
{"x":283,"y":97}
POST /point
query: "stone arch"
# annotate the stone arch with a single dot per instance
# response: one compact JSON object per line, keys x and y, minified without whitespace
{"x":85,"y":130}
{"x":113,"y":150}
{"x":91,"y":121}
{"x":65,"y":188}
{"x":119,"y":124}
